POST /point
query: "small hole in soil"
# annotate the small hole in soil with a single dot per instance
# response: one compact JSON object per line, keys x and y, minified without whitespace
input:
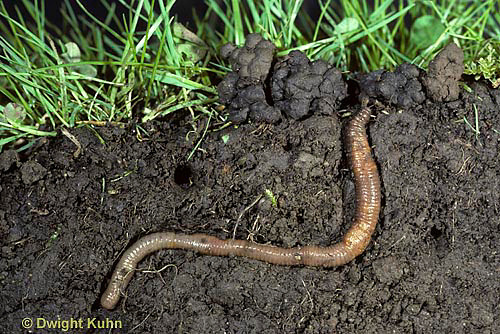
{"x":435,"y":232}
{"x":183,"y":175}
{"x":287,"y":147}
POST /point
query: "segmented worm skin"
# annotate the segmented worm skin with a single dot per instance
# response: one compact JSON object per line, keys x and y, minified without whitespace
{"x":354,"y":242}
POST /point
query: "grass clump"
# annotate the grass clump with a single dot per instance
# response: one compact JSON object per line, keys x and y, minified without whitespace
{"x":144,"y":64}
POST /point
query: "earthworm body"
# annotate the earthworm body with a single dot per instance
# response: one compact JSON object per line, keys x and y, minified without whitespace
{"x":354,"y":242}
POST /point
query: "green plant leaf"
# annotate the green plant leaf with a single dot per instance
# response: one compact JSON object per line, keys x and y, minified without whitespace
{"x":188,"y":44}
{"x":14,"y":113}
{"x":348,"y":24}
{"x":425,"y":31}
{"x":72,"y":54}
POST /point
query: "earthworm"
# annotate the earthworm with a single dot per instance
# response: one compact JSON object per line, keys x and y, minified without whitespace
{"x":354,"y":242}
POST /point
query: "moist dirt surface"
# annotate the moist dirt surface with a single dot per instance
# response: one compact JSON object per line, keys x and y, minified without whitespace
{"x":432,"y":265}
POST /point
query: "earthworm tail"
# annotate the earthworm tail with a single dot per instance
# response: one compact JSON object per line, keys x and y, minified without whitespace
{"x":354,"y":242}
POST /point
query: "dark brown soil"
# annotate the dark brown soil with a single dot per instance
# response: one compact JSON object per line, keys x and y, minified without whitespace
{"x":432,"y":267}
